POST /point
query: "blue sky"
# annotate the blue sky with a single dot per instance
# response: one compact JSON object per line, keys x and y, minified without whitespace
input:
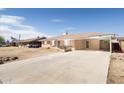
{"x":52,"y":22}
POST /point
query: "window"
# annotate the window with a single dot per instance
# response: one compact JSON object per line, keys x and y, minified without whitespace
{"x":48,"y":42}
{"x":42,"y":42}
{"x":58,"y":43}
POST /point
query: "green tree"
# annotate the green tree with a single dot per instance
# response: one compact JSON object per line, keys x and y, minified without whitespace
{"x":2,"y":40}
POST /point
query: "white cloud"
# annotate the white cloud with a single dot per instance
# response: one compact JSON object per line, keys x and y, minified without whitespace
{"x":1,"y":9}
{"x":13,"y":26}
{"x":67,"y":29}
{"x":11,"y":20}
{"x":57,"y":20}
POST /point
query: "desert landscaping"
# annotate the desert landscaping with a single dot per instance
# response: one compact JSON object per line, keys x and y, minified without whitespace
{"x":8,"y":53}
{"x":116,"y":69}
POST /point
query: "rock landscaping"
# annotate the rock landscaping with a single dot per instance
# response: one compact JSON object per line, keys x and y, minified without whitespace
{"x":7,"y":59}
{"x":116,"y":69}
{"x":25,"y":53}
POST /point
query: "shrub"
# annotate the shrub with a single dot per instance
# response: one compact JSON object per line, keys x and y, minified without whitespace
{"x":107,"y":41}
{"x":2,"y":40}
{"x":1,"y":62}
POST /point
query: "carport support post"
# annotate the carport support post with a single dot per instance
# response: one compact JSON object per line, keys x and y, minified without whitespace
{"x":110,"y":44}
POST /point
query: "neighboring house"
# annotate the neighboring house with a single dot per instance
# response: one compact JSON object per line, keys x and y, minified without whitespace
{"x":85,"y":41}
{"x":31,"y":43}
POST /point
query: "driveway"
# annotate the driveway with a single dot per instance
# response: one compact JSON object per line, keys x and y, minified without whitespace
{"x":77,"y":67}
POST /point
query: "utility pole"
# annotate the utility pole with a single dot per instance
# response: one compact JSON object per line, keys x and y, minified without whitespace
{"x":19,"y":36}
{"x":19,"y":40}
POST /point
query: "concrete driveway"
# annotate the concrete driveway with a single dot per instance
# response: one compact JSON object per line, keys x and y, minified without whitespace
{"x":70,"y":68}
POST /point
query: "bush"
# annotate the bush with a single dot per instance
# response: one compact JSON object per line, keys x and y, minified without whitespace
{"x":14,"y":58}
{"x":48,"y":47}
{"x":1,"y":62}
{"x":107,"y":41}
{"x":2,"y":40}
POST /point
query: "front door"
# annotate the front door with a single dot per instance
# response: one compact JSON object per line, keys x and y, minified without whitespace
{"x":58,"y":43}
{"x":87,"y":44}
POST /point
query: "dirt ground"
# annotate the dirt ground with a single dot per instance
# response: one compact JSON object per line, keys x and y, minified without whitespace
{"x":116,"y":69}
{"x":25,"y":53}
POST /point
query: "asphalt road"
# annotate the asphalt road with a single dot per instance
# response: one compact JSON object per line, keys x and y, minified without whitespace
{"x":77,"y":67}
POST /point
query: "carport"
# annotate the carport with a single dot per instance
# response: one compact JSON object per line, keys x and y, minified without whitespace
{"x":114,"y":45}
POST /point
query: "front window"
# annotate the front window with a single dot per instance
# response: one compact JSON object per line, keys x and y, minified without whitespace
{"x":48,"y":42}
{"x":42,"y":42}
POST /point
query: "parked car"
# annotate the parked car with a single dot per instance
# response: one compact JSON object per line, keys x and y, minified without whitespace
{"x":33,"y":46}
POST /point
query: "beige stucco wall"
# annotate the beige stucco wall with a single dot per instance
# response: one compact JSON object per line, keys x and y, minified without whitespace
{"x":45,"y":45}
{"x":81,"y":44}
{"x":72,"y":44}
{"x":78,"y":44}
{"x":61,"y":43}
{"x":122,"y":45}
{"x":53,"y":45}
{"x":104,"y":45}
{"x":94,"y":44}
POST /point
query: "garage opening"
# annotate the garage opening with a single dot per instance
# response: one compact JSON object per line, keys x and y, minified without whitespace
{"x":116,"y":47}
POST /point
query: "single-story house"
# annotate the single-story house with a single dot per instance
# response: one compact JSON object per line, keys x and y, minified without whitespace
{"x":31,"y":43}
{"x":83,"y":41}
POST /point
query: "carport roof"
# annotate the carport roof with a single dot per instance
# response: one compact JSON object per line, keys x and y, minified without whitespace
{"x":120,"y":38}
{"x":32,"y":39}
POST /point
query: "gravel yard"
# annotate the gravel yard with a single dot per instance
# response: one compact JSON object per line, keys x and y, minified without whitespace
{"x":25,"y":53}
{"x":116,"y":69}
